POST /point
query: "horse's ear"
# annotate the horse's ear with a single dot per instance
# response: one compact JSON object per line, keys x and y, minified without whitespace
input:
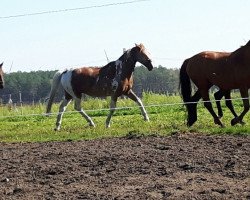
{"x":1,"y":65}
{"x":136,"y":45}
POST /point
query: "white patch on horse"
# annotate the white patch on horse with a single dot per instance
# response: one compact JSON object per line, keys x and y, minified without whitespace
{"x":66,"y":82}
{"x":116,"y":79}
{"x":118,"y":66}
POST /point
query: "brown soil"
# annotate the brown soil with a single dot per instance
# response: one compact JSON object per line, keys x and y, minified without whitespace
{"x":182,"y":166}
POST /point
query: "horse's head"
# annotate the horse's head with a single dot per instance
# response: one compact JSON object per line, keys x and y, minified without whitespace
{"x":142,"y":56}
{"x":1,"y":77}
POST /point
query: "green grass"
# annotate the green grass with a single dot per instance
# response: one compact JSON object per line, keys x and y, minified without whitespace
{"x":27,"y":124}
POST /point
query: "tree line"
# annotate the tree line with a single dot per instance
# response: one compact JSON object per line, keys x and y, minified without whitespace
{"x":28,"y":87}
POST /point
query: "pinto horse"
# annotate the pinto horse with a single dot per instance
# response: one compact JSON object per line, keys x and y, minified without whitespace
{"x":1,"y":77}
{"x":114,"y":79}
{"x":226,"y":70}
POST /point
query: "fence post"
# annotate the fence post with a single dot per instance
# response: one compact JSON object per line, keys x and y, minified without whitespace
{"x":10,"y":103}
{"x":21,"y":103}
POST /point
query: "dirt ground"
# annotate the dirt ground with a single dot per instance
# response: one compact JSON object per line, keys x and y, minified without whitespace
{"x":181,"y":166}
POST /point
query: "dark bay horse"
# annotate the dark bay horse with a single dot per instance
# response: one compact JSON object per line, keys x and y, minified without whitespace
{"x":114,"y":79}
{"x":226,"y":70}
{"x":1,"y":76}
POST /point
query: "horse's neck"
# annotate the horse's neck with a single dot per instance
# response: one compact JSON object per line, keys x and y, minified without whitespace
{"x":127,"y":64}
{"x":238,"y":56}
{"x":107,"y":68}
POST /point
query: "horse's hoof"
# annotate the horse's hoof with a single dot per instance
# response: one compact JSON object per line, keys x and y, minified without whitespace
{"x":56,"y":129}
{"x":92,"y":125}
{"x":234,"y":121}
{"x":218,"y":122}
{"x":242,"y":123}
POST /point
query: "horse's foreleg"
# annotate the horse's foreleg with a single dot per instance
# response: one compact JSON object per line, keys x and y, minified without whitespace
{"x":111,"y":110}
{"x":244,"y":95}
{"x":230,"y":105}
{"x":218,"y":96}
{"x":135,"y":98}
{"x":84,"y":114}
{"x":208,"y":105}
{"x":62,"y":109}
{"x":229,"y":102}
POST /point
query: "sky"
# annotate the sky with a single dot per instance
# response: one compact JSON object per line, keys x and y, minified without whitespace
{"x":170,"y":30}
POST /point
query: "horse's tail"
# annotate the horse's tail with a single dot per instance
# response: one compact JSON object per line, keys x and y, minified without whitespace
{"x":186,"y":91}
{"x":185,"y":83}
{"x":55,"y":84}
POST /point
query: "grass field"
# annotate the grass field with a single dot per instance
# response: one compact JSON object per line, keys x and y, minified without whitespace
{"x":167,"y":116}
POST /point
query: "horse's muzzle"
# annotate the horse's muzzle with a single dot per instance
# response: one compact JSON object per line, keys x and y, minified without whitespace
{"x":1,"y":85}
{"x":149,"y":65}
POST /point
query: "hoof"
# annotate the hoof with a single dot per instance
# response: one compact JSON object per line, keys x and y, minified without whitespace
{"x":190,"y":122}
{"x":242,"y":123}
{"x":56,"y":129}
{"x":108,"y":126}
{"x":218,"y":122}
{"x":146,"y":119}
{"x":92,"y":125}
{"x":234,"y":121}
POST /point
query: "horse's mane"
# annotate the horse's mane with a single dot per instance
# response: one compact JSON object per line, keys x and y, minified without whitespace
{"x":141,"y":46}
{"x":105,"y":69}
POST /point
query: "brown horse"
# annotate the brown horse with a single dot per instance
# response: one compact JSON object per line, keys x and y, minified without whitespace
{"x":1,"y":77}
{"x":226,"y":70}
{"x":114,"y":79}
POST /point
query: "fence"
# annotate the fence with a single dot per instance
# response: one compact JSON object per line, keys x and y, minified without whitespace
{"x":19,"y":109}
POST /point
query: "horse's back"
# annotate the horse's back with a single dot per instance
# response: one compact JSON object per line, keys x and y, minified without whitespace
{"x":217,"y":68}
{"x":207,"y":67}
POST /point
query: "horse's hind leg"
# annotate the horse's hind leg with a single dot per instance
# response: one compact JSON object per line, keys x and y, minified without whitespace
{"x":218,"y":96}
{"x":111,"y":110}
{"x":135,"y":98}
{"x":208,"y":105}
{"x":192,"y":108}
{"x":80,"y":110}
{"x":62,"y":109}
{"x":244,"y":95}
